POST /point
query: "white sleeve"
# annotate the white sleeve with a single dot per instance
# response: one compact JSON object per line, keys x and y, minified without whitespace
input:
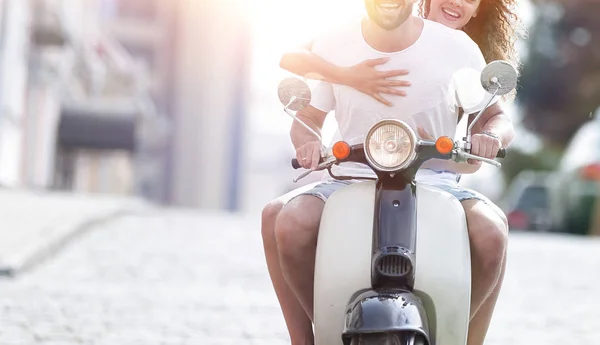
{"x":476,"y":60}
{"x":477,"y":63}
{"x":322,"y":97}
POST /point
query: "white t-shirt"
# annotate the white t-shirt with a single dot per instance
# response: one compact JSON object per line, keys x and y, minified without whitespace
{"x":431,"y":61}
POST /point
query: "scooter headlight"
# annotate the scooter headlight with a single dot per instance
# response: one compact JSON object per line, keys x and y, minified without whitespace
{"x":390,"y":145}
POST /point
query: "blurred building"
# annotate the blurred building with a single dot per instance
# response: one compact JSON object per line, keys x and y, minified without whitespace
{"x":211,"y":84}
{"x":14,"y":51}
{"x":195,"y":52}
{"x":146,"y":31}
{"x":140,"y":97}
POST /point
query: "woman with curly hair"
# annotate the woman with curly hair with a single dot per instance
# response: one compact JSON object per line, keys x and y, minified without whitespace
{"x":490,"y":23}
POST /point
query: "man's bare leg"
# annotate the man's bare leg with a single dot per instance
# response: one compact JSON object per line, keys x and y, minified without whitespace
{"x":296,"y":232}
{"x":298,"y":324}
{"x":480,"y":323}
{"x":488,"y":233}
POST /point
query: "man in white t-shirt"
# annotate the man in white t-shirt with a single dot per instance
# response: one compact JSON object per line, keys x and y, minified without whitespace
{"x":432,"y":53}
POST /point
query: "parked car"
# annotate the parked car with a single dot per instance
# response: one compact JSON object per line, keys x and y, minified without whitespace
{"x":576,"y":184}
{"x":526,"y":202}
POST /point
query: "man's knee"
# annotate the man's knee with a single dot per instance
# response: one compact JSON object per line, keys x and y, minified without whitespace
{"x":501,"y":215}
{"x":488,"y":231}
{"x":297,"y":224}
{"x":269,"y":216}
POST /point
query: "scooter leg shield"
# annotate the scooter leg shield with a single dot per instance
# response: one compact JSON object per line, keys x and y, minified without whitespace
{"x":383,"y":312}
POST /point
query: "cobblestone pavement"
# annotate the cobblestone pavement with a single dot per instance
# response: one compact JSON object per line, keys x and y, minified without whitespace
{"x":180,"y":278}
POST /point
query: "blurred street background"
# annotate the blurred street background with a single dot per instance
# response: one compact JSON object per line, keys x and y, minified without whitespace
{"x":140,"y":140}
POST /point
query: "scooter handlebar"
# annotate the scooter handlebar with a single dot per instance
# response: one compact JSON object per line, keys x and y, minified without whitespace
{"x":501,"y":154}
{"x":297,"y":165}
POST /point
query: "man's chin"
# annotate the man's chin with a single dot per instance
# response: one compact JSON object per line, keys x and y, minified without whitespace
{"x":389,"y":19}
{"x":393,"y":15}
{"x":390,"y":24}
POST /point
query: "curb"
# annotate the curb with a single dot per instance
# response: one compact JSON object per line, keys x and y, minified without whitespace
{"x":44,"y":248}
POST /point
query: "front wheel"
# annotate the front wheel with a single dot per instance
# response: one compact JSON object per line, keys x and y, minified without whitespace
{"x":404,"y":338}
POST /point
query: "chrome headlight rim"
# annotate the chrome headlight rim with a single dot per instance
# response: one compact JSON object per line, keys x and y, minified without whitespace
{"x":413,"y":147}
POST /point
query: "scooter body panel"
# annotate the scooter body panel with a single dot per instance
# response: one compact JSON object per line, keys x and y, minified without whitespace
{"x":343,"y":262}
{"x":443,"y":265}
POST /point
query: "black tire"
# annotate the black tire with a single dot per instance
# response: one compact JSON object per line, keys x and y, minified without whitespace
{"x":405,"y":338}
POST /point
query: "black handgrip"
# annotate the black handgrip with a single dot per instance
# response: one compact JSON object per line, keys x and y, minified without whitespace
{"x":501,"y":153}
{"x":297,"y":165}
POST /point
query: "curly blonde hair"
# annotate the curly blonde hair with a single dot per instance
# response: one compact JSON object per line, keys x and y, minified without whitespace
{"x":495,"y":29}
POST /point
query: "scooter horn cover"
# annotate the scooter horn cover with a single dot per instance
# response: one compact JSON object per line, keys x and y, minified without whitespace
{"x":377,"y":312}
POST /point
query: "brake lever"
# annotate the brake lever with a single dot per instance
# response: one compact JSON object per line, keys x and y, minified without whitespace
{"x":465,"y":156}
{"x":321,"y":166}
{"x":303,"y":175}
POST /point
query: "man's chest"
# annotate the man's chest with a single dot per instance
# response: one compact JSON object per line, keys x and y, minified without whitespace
{"x":429,"y":86}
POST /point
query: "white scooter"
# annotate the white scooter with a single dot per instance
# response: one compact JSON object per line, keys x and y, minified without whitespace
{"x":393,"y":258}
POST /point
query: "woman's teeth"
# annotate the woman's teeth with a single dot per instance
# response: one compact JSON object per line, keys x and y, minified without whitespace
{"x":451,"y":13}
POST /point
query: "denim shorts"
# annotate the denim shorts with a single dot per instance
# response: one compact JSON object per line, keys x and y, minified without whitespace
{"x":323,"y":190}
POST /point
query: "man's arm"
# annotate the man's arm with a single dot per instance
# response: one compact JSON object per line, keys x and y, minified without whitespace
{"x":491,"y":132}
{"x":308,"y":147}
{"x":311,"y":116}
{"x":494,"y":122}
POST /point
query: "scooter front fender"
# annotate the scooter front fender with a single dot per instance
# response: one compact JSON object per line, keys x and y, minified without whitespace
{"x":385,"y":311}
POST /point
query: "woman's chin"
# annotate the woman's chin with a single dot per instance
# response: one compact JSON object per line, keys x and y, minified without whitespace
{"x":453,"y":24}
